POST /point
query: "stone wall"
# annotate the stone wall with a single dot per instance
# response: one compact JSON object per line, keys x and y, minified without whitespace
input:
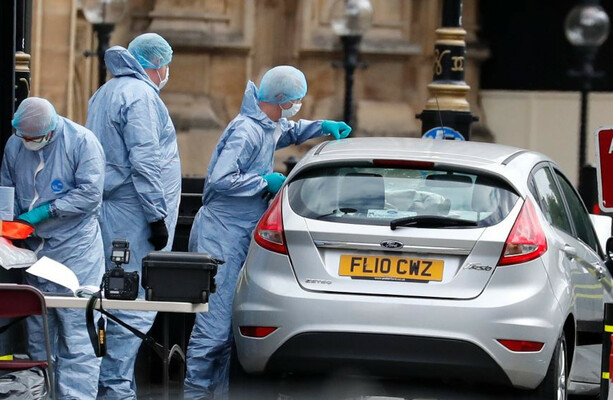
{"x":220,"y":44}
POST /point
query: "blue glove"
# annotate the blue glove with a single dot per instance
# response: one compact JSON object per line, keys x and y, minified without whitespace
{"x":37,"y":215}
{"x":274,"y":181}
{"x":338,"y":129}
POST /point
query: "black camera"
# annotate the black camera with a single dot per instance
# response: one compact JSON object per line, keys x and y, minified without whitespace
{"x":117,"y":283}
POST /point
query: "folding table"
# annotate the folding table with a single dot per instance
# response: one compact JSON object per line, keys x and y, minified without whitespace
{"x":138,"y":305}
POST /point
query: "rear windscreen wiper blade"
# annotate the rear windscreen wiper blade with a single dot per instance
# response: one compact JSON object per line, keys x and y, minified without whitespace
{"x":344,"y":210}
{"x":430,"y":221}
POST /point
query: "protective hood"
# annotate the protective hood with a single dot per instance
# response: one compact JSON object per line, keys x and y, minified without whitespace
{"x":120,"y":62}
{"x":57,"y":132}
{"x":250,"y":108}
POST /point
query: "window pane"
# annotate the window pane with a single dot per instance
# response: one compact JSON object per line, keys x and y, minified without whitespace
{"x":580,"y":217}
{"x":378,"y":195}
{"x":550,"y":200}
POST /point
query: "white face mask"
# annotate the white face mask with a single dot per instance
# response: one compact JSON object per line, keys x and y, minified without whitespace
{"x":35,"y":146}
{"x":165,"y":80}
{"x":290,"y":112}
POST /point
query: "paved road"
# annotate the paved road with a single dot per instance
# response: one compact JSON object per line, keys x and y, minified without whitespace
{"x":362,"y":389}
{"x":342,"y":388}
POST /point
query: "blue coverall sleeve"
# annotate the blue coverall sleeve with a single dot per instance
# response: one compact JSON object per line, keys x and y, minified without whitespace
{"x":299,"y":132}
{"x":231,"y":175}
{"x":89,"y":181}
{"x":6,"y":178}
{"x":141,"y":137}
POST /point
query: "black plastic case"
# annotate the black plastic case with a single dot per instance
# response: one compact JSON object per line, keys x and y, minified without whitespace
{"x":179,"y":276}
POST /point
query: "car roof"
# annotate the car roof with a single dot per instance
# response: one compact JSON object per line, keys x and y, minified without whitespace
{"x":513,"y":164}
{"x":453,"y":151}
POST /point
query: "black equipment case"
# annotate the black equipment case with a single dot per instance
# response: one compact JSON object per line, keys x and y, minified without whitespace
{"x":179,"y":276}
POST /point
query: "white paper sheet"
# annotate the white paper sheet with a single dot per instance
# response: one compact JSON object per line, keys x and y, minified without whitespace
{"x":54,"y":271}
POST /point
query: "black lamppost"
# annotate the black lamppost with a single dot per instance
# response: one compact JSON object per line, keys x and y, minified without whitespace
{"x":22,"y":58}
{"x":8,"y":26}
{"x":350,"y":20}
{"x":586,"y":28}
{"x":447,"y":113}
{"x":103,"y":15}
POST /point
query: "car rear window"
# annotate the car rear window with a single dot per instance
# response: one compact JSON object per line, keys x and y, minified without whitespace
{"x":376,"y":196}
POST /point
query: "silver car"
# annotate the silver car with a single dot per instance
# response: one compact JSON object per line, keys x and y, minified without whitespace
{"x":413,"y":257}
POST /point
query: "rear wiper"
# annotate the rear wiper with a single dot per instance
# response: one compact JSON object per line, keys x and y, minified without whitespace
{"x":344,"y":210}
{"x":430,"y":221}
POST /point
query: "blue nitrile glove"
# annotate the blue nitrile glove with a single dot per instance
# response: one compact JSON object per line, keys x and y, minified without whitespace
{"x":274,"y":181}
{"x":338,"y":129}
{"x":37,"y":215}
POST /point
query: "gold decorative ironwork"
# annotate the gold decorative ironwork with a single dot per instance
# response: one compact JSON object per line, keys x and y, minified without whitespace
{"x":449,"y":96}
{"x":458,"y":63}
{"x":438,"y":57}
{"x":22,"y":62}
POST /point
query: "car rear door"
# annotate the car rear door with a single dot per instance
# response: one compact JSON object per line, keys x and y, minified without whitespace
{"x":568,"y":252}
{"x":588,"y":249}
{"x":594,"y":291}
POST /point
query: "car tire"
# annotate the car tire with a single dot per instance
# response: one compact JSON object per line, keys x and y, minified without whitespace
{"x":555,"y":384}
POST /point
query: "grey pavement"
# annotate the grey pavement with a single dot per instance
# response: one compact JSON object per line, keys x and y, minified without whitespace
{"x":357,"y":389}
{"x":368,"y":389}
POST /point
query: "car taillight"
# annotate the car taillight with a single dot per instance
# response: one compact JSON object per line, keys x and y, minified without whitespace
{"x":269,"y":231}
{"x":521,"y":345}
{"x":527,"y":240}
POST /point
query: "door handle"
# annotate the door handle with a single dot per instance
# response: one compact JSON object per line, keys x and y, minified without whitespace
{"x":599,"y":271}
{"x":570,"y":251}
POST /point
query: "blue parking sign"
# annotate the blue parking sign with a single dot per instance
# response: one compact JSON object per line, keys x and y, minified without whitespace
{"x":443,"y":132}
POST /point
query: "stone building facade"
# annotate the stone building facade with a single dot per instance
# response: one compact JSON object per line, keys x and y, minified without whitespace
{"x":220,"y":44}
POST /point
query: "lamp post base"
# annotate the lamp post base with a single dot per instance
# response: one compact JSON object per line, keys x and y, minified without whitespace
{"x":457,"y":120}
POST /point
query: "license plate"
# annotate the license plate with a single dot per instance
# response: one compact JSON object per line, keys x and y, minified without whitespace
{"x":391,"y":268}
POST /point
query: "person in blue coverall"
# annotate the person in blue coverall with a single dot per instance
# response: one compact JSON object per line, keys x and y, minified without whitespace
{"x":239,"y":173}
{"x":142,"y":188}
{"x":57,"y":169}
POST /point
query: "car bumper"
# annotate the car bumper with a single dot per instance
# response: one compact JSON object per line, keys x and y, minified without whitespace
{"x":392,"y":336}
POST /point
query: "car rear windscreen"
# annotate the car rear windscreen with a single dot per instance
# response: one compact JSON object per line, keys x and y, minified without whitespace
{"x":376,"y":196}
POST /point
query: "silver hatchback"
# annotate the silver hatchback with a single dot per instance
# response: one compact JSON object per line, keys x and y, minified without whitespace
{"x":413,"y":257}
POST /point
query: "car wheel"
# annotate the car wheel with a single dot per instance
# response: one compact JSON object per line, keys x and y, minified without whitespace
{"x":554,"y":386}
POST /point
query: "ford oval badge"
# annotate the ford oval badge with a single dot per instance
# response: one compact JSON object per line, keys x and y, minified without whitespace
{"x":392,"y":244}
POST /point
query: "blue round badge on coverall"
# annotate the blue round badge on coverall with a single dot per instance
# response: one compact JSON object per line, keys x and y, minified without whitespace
{"x":443,"y":132}
{"x":57,"y":185}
